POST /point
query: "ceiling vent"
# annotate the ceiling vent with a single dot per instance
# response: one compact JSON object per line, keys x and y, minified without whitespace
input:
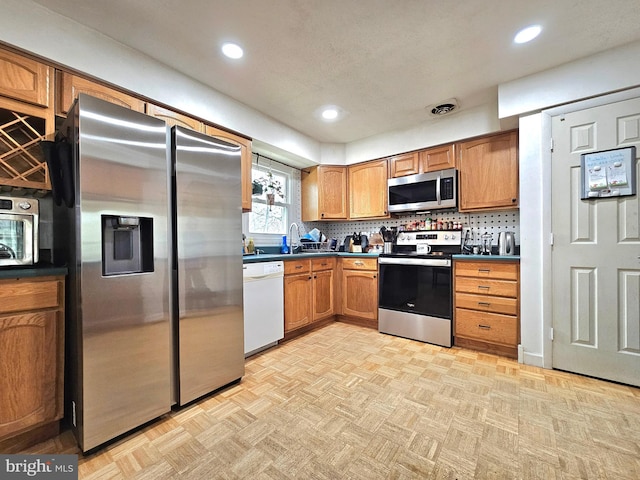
{"x":443,"y":108}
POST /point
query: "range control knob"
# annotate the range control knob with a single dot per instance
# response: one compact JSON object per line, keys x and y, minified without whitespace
{"x":24,"y":205}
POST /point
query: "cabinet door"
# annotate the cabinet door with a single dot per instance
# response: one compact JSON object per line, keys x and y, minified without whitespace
{"x":368,"y":190}
{"x":360,"y":294}
{"x":323,"y":286}
{"x":297,"y":301}
{"x":24,"y":79}
{"x":403,"y":165}
{"x":437,"y":158}
{"x":332,"y":192}
{"x":69,"y":86}
{"x":488,"y":173}
{"x":174,"y":118}
{"x":245,"y":145}
{"x":30,"y":383}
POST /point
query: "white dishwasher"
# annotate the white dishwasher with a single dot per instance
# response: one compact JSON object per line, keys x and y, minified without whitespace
{"x":263,"y":305}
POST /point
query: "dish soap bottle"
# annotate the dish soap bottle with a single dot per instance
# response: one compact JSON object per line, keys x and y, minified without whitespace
{"x":284,"y":248}
{"x":251,"y":247}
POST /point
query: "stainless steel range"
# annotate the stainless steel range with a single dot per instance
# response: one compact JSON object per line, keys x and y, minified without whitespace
{"x":415,"y":297}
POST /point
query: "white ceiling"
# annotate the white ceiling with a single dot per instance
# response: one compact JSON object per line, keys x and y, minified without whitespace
{"x":382,"y":61}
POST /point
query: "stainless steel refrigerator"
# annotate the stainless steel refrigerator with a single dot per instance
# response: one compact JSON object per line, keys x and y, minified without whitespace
{"x":207,"y":263}
{"x":116,"y":228}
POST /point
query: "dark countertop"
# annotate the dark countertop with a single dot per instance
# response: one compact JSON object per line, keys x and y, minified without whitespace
{"x":40,"y":270}
{"x":270,"y":257}
{"x":487,"y":257}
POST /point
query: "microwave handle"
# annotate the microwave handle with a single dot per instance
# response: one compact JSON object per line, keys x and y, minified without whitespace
{"x":438,"y":198}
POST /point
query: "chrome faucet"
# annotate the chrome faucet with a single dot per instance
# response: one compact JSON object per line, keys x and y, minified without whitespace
{"x":291,"y":245}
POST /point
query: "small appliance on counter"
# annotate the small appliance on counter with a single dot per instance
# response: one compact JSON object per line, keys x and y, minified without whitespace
{"x":507,"y":243}
{"x":486,"y":240}
{"x":19,"y":219}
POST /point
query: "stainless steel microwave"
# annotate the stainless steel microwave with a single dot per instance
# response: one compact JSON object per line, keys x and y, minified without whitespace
{"x":424,"y":191}
{"x":19,"y":219}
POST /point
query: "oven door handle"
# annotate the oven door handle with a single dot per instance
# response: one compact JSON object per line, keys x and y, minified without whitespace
{"x":421,"y":262}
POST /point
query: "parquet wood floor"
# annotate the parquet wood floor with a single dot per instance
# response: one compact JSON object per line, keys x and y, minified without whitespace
{"x":346,"y":402}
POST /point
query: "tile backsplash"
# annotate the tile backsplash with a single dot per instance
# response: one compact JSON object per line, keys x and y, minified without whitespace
{"x":478,"y":223}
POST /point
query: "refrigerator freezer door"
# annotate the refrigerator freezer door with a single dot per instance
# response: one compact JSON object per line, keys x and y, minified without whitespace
{"x":120,"y":331}
{"x":208,"y":218}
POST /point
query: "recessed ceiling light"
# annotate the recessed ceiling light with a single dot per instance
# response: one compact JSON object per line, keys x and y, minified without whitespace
{"x":330,"y":114}
{"x":232,"y":50}
{"x":527,"y":34}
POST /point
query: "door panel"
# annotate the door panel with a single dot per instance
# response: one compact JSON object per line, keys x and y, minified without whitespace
{"x":596,"y":264}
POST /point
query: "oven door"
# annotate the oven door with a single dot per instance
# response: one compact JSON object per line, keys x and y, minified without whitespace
{"x":421,"y":286}
{"x":18,"y":240}
{"x":415,"y":299}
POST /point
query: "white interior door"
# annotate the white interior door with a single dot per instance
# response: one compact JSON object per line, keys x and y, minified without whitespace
{"x":596,"y":251}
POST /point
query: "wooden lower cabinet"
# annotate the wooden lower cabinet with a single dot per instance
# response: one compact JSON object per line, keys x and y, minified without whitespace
{"x":309,"y":292}
{"x":487,"y":306}
{"x":360,"y":290}
{"x":32,"y":359}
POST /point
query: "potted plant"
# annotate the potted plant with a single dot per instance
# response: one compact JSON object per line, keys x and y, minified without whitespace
{"x":272,"y":186}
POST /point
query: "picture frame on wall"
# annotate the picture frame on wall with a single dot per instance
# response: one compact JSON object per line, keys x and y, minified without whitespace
{"x":608,"y":173}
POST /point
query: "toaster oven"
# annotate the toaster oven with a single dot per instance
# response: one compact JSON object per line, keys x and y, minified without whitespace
{"x":19,"y":219}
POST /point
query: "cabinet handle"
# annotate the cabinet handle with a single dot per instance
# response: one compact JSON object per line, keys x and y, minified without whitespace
{"x":359,"y":263}
{"x":484,"y":287}
{"x":514,"y":200}
{"x":315,"y":276}
{"x":484,"y":304}
{"x":484,"y":270}
{"x":310,"y":277}
{"x":375,"y":276}
{"x":486,"y":327}
{"x":298,"y":267}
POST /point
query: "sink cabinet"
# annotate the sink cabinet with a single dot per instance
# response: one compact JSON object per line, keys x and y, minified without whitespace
{"x":32,"y":360}
{"x":309,"y":292}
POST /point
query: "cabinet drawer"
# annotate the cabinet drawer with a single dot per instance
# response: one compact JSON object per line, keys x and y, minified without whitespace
{"x":323,"y":263}
{"x":487,"y":303}
{"x":291,"y":267}
{"x":22,"y":295}
{"x":490,"y":327}
{"x":359,"y":263}
{"x":494,"y":269}
{"x":481,"y":286}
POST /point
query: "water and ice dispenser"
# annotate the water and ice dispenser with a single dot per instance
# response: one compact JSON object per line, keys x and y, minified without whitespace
{"x":127,"y":245}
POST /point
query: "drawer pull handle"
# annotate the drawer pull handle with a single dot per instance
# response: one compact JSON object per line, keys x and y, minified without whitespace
{"x":359,"y":263}
{"x":484,"y":270}
{"x":411,"y":305}
{"x":484,"y":304}
{"x":298,"y":266}
{"x":485,"y":287}
{"x":486,"y":327}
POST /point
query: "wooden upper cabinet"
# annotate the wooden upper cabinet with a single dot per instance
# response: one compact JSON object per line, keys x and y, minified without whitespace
{"x":403,"y":165}
{"x":69,"y":86}
{"x":324,"y":193}
{"x":245,"y":145}
{"x":437,"y":158}
{"x":368,"y":190}
{"x":24,"y":79}
{"x":488,"y":173}
{"x":174,"y":118}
